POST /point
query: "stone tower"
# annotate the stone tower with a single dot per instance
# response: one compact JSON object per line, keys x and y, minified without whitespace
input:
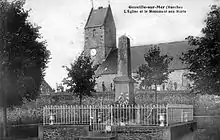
{"x":100,"y":34}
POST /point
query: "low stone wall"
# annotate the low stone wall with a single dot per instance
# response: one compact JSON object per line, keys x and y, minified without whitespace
{"x":207,"y":121}
{"x":62,"y":132}
{"x":139,"y":132}
{"x":76,"y":132}
{"x":208,"y":127}
{"x":179,"y":130}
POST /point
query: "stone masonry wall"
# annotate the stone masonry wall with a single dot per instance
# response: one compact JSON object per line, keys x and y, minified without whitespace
{"x":66,"y":132}
{"x":94,"y":39}
{"x":175,"y":76}
{"x":108,"y":80}
{"x":62,"y":132}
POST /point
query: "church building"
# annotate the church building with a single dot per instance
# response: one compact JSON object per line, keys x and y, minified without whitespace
{"x":100,"y":44}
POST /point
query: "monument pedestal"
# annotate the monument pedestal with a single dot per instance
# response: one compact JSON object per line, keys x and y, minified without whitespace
{"x":125,"y":85}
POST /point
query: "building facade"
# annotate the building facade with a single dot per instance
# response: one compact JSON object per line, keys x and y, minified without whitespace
{"x":100,"y":44}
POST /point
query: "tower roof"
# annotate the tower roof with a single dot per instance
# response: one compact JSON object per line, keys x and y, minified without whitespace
{"x":97,"y":17}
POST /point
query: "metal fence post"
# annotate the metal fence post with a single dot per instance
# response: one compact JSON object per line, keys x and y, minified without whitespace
{"x":167,"y":115}
{"x":111,"y":115}
{"x":138,"y":114}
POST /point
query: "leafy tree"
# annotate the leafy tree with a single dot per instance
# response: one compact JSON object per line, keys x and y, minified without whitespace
{"x":23,"y":57}
{"x":155,"y":71}
{"x":204,"y":59}
{"x":81,"y":77}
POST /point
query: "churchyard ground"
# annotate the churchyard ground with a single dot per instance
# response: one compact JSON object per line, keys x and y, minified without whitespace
{"x":206,"y":112}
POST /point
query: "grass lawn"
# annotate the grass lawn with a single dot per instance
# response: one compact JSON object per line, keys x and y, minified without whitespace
{"x":31,"y":112}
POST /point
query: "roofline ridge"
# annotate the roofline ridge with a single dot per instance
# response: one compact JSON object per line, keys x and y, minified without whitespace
{"x":111,"y":50}
{"x":90,"y":13}
{"x":158,"y":43}
{"x":94,"y":26}
{"x":173,"y":42}
{"x":46,"y":83}
{"x":106,"y":14}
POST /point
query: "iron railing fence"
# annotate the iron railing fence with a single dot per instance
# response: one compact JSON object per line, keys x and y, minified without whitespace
{"x":106,"y":115}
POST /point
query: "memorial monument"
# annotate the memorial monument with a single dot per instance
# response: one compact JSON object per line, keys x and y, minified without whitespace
{"x":124,"y":83}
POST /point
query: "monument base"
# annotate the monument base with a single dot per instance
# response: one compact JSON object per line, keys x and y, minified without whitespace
{"x":124,"y":85}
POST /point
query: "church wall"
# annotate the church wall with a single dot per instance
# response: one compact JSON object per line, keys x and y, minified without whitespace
{"x":108,"y":79}
{"x":175,"y":76}
{"x":94,"y":38}
{"x":178,"y":77}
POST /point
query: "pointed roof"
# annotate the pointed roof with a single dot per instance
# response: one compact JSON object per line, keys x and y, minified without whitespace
{"x":45,"y":87}
{"x":97,"y":17}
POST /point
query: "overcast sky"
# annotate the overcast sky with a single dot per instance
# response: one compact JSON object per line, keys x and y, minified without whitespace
{"x":63,"y":21}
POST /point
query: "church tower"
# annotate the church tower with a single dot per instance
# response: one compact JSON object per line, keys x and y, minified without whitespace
{"x":100,"y":34}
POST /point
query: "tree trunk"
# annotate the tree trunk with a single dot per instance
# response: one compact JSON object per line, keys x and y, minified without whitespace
{"x":4,"y":88}
{"x":80,"y":110}
{"x":80,"y":99}
{"x":4,"y":110}
{"x":3,"y":106}
{"x":4,"y":121}
{"x":155,"y":93}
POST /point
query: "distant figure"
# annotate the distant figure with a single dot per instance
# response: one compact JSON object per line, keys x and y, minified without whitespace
{"x":103,"y":87}
{"x":175,"y":85}
{"x":171,"y":85}
{"x":163,"y":86}
{"x":111,"y":87}
{"x":61,"y":87}
{"x":188,"y":86}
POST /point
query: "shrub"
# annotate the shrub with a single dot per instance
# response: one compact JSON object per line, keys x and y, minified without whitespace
{"x":32,"y":112}
{"x":24,"y":116}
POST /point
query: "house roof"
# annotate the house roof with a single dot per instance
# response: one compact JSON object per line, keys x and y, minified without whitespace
{"x":174,"y":49}
{"x":97,"y":17}
{"x":45,"y":87}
